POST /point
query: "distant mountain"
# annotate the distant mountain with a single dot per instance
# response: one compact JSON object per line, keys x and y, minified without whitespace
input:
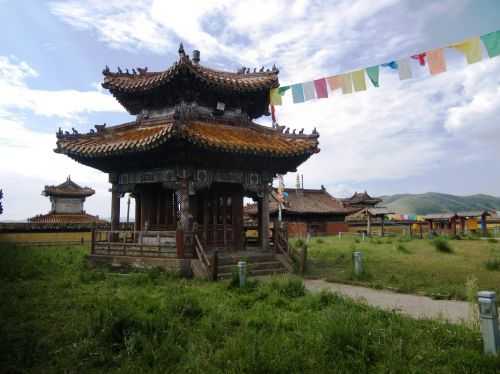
{"x":433,"y":202}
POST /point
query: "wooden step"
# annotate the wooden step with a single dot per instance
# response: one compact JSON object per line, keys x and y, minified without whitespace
{"x":257,"y":272}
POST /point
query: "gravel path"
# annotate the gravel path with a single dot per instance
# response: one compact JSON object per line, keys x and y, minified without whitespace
{"x":412,"y":305}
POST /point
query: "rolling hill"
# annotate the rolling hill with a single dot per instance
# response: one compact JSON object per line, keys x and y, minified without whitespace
{"x":433,"y":202}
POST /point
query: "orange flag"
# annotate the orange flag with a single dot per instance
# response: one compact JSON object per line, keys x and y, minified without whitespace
{"x":436,"y":61}
{"x":335,"y":82}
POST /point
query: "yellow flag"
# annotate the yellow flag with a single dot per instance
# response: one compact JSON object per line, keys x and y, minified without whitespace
{"x":346,"y":83}
{"x":275,"y":97}
{"x":471,"y":48}
{"x":358,"y":78}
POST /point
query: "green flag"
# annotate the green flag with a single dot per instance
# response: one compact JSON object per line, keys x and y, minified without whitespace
{"x":372,"y":73}
{"x":492,"y":43}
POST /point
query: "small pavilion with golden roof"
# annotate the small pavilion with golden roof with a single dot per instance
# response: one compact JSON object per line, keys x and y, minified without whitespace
{"x":193,"y":151}
{"x":67,"y":201}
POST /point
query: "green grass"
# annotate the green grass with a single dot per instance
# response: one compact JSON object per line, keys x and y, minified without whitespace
{"x":410,"y":266}
{"x":58,"y":316}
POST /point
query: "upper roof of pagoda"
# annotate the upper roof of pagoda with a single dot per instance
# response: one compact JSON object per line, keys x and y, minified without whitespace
{"x":187,"y":80}
{"x":68,"y":189}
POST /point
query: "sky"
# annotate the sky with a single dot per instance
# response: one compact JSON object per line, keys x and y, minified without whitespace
{"x":437,"y":133}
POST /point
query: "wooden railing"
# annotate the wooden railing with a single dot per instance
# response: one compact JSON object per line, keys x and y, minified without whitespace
{"x":134,"y":243}
{"x":209,"y":265}
{"x":281,"y":247}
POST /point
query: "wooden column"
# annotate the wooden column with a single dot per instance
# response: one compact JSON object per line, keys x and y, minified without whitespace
{"x":462,"y":225}
{"x":264,"y":214}
{"x":115,"y":208}
{"x":259,"y":219}
{"x":184,"y":197}
{"x":137,"y":223}
{"x":421,"y":230}
{"x":368,"y":225}
{"x":454,"y":226}
{"x":382,"y":225}
{"x":484,"y":226}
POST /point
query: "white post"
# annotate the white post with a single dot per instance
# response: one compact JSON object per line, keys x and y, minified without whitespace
{"x":357,"y":260}
{"x":340,"y":235}
{"x":363,"y":236}
{"x":242,"y":267}
{"x":488,"y":315}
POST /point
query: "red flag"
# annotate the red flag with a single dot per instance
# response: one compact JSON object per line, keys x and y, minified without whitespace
{"x":320,"y":87}
{"x":421,"y":58}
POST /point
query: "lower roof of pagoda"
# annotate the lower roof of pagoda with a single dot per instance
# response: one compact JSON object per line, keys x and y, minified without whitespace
{"x":144,"y":135}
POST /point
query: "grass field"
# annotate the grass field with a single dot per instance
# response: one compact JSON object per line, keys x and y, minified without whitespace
{"x":412,"y":266}
{"x":58,"y":316}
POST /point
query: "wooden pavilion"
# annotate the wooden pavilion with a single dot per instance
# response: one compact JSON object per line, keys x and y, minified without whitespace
{"x":190,"y":157}
{"x":361,"y":200}
{"x":307,"y":211}
{"x":447,"y":222}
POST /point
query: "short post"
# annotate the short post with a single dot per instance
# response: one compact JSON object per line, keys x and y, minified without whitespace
{"x":242,"y":268}
{"x":303,"y":259}
{"x":215,"y":265}
{"x":357,"y":261}
{"x":363,"y":236}
{"x":179,"y":242}
{"x":92,"y":240}
{"x":488,"y":315}
{"x":340,"y":235}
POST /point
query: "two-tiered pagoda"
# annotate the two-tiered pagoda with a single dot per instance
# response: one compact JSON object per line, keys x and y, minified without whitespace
{"x":66,"y":201}
{"x":193,"y":152}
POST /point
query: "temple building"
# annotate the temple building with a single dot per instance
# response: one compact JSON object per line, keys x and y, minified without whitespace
{"x":361,"y":200}
{"x":307,"y":211}
{"x":67,"y":201}
{"x":192,"y":153}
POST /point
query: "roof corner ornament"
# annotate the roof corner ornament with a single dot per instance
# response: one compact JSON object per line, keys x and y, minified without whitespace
{"x":59,"y":133}
{"x":301,"y":131}
{"x":119,"y":70}
{"x":261,"y":69}
{"x":106,"y":71}
{"x":275,"y":69}
{"x":182,"y":53}
{"x":241,"y":70}
{"x":315,"y":132}
{"x":142,"y":71}
{"x":100,"y":128}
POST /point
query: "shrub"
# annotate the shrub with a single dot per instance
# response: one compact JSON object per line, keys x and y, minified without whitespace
{"x":402,"y":248}
{"x":492,"y":240}
{"x":319,"y":241}
{"x":442,"y":245}
{"x":357,"y":240}
{"x":492,"y":264}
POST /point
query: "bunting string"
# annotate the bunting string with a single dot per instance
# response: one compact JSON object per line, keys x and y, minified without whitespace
{"x":355,"y":81}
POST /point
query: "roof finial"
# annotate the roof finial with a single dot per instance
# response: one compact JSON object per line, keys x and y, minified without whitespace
{"x":181,"y":50}
{"x":69,"y":178}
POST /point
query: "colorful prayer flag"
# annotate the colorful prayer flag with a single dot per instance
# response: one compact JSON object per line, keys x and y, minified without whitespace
{"x":275,"y":97}
{"x":358,"y":78}
{"x":392,"y":65}
{"x":492,"y":43}
{"x":421,"y":58}
{"x":335,"y":82}
{"x":471,"y":48}
{"x":283,"y":89}
{"x":308,"y":88}
{"x":373,"y":73}
{"x":436,"y":61}
{"x":404,"y":69}
{"x":321,"y":90}
{"x":346,"y":83}
{"x":297,"y":93}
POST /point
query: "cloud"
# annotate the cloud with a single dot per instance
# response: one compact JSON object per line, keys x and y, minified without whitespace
{"x":28,"y":160}
{"x":16,"y":94}
{"x":257,"y":32}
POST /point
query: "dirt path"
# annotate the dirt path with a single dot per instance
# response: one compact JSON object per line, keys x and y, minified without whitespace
{"x":415,"y":306}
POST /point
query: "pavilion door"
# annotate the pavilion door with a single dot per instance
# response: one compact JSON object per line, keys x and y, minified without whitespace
{"x":222,"y":211}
